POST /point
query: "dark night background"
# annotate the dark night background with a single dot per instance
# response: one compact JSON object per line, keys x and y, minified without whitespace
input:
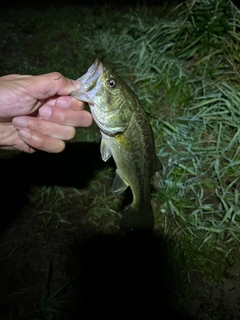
{"x":21,"y":3}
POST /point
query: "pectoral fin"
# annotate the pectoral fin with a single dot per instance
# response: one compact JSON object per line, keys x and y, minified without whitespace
{"x":119,"y":185}
{"x":105,"y":150}
{"x":125,"y":143}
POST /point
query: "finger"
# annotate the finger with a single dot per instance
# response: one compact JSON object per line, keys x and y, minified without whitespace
{"x":44,"y":127}
{"x":65,"y":102}
{"x":76,"y":104}
{"x":66,"y":116}
{"x":9,"y":139}
{"x":69,"y":102}
{"x":51,"y":84}
{"x":20,"y":147}
{"x":23,"y":146}
{"x":11,"y":77}
{"x":38,"y":141}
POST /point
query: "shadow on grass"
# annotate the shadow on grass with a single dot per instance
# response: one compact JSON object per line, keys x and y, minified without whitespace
{"x":73,"y":167}
{"x":124,"y":276}
{"x":114,"y":275}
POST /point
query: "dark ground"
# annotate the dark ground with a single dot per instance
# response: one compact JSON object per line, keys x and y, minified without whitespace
{"x":76,"y":272}
{"x":111,"y":274}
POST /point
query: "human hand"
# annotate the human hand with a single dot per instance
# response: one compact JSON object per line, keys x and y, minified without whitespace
{"x":37,"y":113}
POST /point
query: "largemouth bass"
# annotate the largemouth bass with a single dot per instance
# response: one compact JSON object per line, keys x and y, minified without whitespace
{"x":126,"y":135}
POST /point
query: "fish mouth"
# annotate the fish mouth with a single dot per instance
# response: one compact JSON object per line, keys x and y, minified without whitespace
{"x":88,"y":82}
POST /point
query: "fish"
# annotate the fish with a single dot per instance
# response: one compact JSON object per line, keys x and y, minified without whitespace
{"x":126,"y":135}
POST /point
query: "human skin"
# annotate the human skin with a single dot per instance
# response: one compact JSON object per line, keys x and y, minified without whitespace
{"x":37,"y":113}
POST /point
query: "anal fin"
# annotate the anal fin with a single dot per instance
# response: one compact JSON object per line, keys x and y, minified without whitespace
{"x":119,"y":185}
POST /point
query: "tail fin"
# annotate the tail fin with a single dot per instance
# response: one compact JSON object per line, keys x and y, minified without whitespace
{"x":137,"y":219}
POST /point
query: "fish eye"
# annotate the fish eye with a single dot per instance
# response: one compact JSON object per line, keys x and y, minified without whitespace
{"x":112,"y":83}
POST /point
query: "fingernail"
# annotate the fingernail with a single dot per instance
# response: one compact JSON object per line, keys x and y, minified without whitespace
{"x":63,"y":102}
{"x":20,"y":122}
{"x":45,"y":112}
{"x":76,"y":84}
{"x":25,"y":134}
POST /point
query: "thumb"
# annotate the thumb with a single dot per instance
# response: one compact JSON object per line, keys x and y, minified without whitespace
{"x":50,"y":84}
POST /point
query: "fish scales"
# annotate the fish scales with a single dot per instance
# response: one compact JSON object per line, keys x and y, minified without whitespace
{"x":126,"y":135}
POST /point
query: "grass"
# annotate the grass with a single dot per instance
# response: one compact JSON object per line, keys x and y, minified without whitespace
{"x":52,"y":304}
{"x":49,"y":195}
{"x":184,"y":66}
